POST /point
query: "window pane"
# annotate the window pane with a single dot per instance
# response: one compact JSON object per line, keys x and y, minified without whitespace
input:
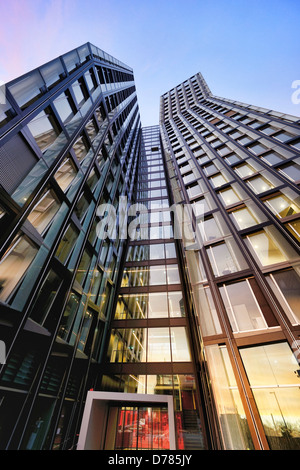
{"x":286,"y":285}
{"x":244,"y":218}
{"x":244,"y":170}
{"x":270,"y":247}
{"x":176,"y":304}
{"x":43,"y":213}
{"x":231,"y":414}
{"x":259,"y":184}
{"x":209,"y":229}
{"x":67,"y":243}
{"x":226,"y":258}
{"x":68,"y":316}
{"x":292,"y":171}
{"x":65,"y":174}
{"x":44,"y":129}
{"x":207,"y":313}
{"x":159,"y":345}
{"x":218,"y":180}
{"x":242,"y":308}
{"x":14,"y":264}
{"x":294,"y":228}
{"x":282,"y":206}
{"x":158,"y":305}
{"x":170,"y":250}
{"x":83,"y":267}
{"x":45,"y":297}
{"x":157,"y":275}
{"x":275,"y":385}
{"x":173,"y":274}
{"x":229,"y":196}
{"x":63,"y":107}
{"x":179,"y":345}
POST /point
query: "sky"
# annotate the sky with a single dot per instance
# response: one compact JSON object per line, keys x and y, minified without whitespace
{"x":247,"y":50}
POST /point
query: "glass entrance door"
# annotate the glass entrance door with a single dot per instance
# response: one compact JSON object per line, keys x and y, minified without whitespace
{"x":142,"y":428}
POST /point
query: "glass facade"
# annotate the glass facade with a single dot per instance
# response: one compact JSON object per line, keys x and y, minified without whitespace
{"x":240,"y":164}
{"x":150,"y":326}
{"x":161,"y":260}
{"x":70,"y":142}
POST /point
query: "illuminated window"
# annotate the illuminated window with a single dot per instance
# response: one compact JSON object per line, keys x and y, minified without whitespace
{"x":14,"y":264}
{"x":282,"y":205}
{"x":269,"y":247}
{"x":272,"y":370}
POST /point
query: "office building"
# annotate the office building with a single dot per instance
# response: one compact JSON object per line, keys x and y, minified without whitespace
{"x":238,"y":167}
{"x":70,"y":137}
{"x":149,"y":276}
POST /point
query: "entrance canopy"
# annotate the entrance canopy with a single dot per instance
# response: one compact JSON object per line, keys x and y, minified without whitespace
{"x":99,"y":425}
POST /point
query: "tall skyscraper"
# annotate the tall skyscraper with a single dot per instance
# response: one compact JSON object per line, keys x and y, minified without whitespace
{"x":149,"y":276}
{"x":238,"y":166}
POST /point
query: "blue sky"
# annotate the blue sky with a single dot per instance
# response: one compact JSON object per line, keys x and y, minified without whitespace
{"x":247,"y":50}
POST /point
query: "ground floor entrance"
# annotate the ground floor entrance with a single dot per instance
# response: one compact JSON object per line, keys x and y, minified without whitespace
{"x":140,"y":428}
{"x":127,"y":421}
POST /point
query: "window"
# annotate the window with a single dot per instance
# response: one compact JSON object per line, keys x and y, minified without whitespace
{"x":230,"y":196}
{"x":218,"y":180}
{"x":291,"y":171}
{"x":83,"y":267}
{"x":44,"y":129}
{"x":244,"y":218}
{"x":64,"y":107}
{"x":176,"y":304}
{"x":45,"y":299}
{"x":233,"y":158}
{"x":14,"y":264}
{"x":229,"y":406}
{"x":207,"y":313}
{"x":286,"y":286}
{"x":158,"y":349}
{"x":259,"y":184}
{"x":173,"y":274}
{"x":283,"y":136}
{"x":294,"y":228}
{"x":272,"y":158}
{"x":226,"y":258}
{"x":282,"y":205}
{"x":67,"y":243}
{"x":242,"y":307}
{"x":81,"y":148}
{"x":80,"y":91}
{"x":269,"y":246}
{"x":201,"y":206}
{"x":272,"y":371}
{"x":257,"y":148}
{"x":179,"y":345}
{"x":44,"y":211}
{"x":65,"y":174}
{"x":244,"y":170}
{"x":69,"y":316}
{"x":268,"y":130}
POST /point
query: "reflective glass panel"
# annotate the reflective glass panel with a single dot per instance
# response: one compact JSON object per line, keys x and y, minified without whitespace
{"x":286,"y":285}
{"x":242,"y":307}
{"x":244,"y":218}
{"x":270,"y":247}
{"x":259,"y":184}
{"x":65,"y":174}
{"x":272,"y":372}
{"x":44,"y":211}
{"x":231,"y":414}
{"x":282,"y":206}
{"x":159,"y":345}
{"x":14,"y":264}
